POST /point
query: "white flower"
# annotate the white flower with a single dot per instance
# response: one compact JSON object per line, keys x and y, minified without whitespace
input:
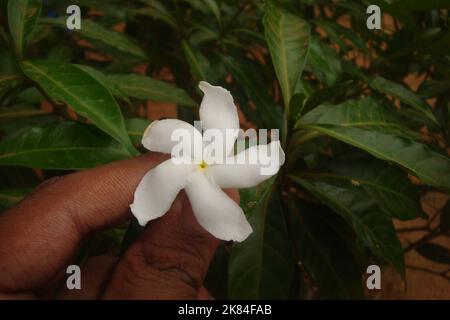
{"x":202,"y":180}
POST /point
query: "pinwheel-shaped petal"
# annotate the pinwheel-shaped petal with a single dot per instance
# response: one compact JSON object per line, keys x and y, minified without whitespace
{"x":201,"y":177}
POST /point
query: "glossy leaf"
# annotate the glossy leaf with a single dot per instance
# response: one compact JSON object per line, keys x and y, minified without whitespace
{"x":372,"y":227}
{"x":323,"y":251}
{"x":136,"y":128}
{"x":83,"y":93}
{"x":325,"y":94}
{"x":198,"y":63}
{"x":387,"y":185}
{"x":213,"y":6}
{"x":364,"y":113}
{"x":270,"y":114}
{"x":146,"y":88}
{"x":429,"y":166}
{"x":287,"y":37}
{"x":262,"y":266}
{"x":10,"y":125}
{"x":105,"y":82}
{"x":370,"y":127}
{"x":403,"y":94}
{"x":323,"y":62}
{"x":22,"y":16}
{"x":94,"y":31}
{"x":60,"y":146}
{"x":157,"y":10}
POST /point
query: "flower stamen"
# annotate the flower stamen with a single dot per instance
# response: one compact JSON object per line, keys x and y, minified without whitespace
{"x":203,"y":165}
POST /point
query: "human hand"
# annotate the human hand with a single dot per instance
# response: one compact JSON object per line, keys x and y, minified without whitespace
{"x":39,"y":238}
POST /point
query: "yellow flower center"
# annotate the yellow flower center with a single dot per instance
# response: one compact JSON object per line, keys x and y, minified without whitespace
{"x":203,"y":165}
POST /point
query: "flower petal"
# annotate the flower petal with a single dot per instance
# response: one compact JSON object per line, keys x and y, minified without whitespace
{"x":217,"y":111}
{"x":249,"y":167}
{"x":158,"y":189}
{"x":215,"y":211}
{"x":158,"y":137}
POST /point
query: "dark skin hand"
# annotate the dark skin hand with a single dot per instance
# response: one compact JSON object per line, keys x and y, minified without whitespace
{"x":40,"y":236}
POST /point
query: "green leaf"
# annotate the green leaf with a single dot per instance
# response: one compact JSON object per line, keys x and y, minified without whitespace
{"x":323,"y":95}
{"x":60,"y":53}
{"x":158,"y":11}
{"x":94,"y":31}
{"x":372,"y":227}
{"x":22,"y":16}
{"x":434,"y":252}
{"x":83,"y":93}
{"x":146,"y":88}
{"x":429,"y":166}
{"x":262,"y":267}
{"x":198,"y":63}
{"x":105,"y":82}
{"x":136,"y":128}
{"x":433,"y":88}
{"x":287,"y":37}
{"x":368,"y":126}
{"x":213,"y":6}
{"x":403,"y":94}
{"x":364,"y":113}
{"x":250,"y":81}
{"x":30,"y":95}
{"x":387,"y":185}
{"x":9,"y":197}
{"x":323,"y":62}
{"x":10,"y":125}
{"x":323,"y":251}
{"x":335,"y":32}
{"x":60,"y":146}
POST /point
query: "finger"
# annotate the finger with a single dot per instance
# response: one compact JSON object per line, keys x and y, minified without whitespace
{"x":203,"y":294}
{"x":40,"y":235}
{"x":169,"y":260}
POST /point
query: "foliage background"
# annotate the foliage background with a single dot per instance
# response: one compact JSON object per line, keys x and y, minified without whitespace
{"x":364,"y":116}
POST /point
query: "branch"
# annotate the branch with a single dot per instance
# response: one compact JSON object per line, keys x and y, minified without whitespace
{"x":443,"y":274}
{"x":433,"y":234}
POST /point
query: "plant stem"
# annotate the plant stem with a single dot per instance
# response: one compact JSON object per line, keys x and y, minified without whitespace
{"x":433,"y":234}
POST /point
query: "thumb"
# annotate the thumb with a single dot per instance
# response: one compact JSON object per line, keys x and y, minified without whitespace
{"x":169,"y":260}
